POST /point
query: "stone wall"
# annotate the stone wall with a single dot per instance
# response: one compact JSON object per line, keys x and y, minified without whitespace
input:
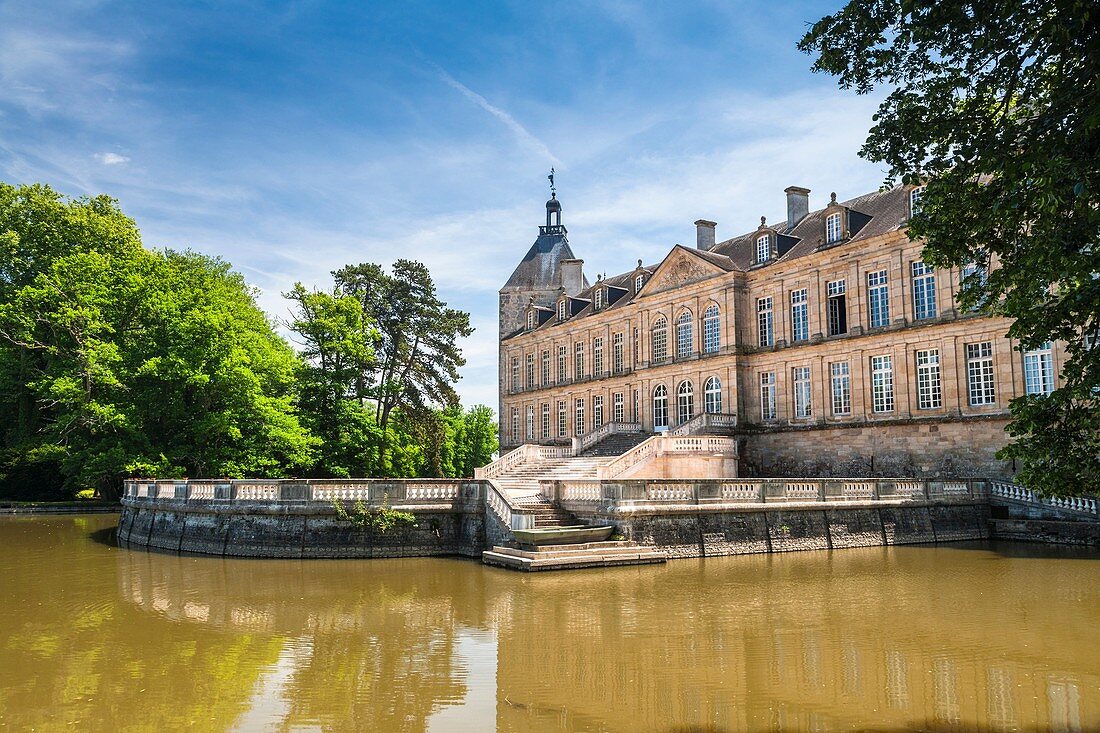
{"x":965,"y":447}
{"x":295,"y":531}
{"x":755,"y":530}
{"x":1047,"y":531}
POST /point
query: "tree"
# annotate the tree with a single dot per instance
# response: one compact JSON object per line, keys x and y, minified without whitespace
{"x":120,"y":361}
{"x":418,"y":352}
{"x":996,"y":106}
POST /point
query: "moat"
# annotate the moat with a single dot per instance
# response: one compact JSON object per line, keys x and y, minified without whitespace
{"x":971,"y":636}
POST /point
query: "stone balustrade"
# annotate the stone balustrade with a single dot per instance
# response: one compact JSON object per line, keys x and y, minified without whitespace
{"x":632,"y":493}
{"x":372,"y":492}
{"x":1012,"y":492}
{"x":705,"y":421}
{"x":586,"y":441}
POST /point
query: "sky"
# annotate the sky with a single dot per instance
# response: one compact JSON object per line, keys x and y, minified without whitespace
{"x":292,"y":138}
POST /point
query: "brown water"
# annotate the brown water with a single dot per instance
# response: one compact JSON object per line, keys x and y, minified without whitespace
{"x":968,"y":637}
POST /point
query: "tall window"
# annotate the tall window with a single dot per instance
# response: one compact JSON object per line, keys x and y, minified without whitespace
{"x":979,"y":373}
{"x":562,"y":367}
{"x":929,"y":384}
{"x":832,"y":228}
{"x":1039,"y":369}
{"x":545,"y":367}
{"x":597,"y":357}
{"x":841,"y":387}
{"x":530,"y":423}
{"x":800,"y":315}
{"x":578,"y":361}
{"x":563,"y":426}
{"x":636,"y":351}
{"x":763,"y":248}
{"x":617,"y":352}
{"x":765,"y":332}
{"x":802,"y":393}
{"x":597,"y":411}
{"x":976,"y":273}
{"x":685,"y":402}
{"x":882,"y":383}
{"x":659,"y":334}
{"x":545,"y":420}
{"x":684,"y":336}
{"x":712,"y":396}
{"x":530,"y":320}
{"x":515,"y":426}
{"x":529,"y":372}
{"x":618,"y":408}
{"x":878,"y":298}
{"x":767,"y":395}
{"x":837,"y":307}
{"x":660,"y":407}
{"x":578,"y":416}
{"x":599,"y":299}
{"x":561,"y":310}
{"x":924,"y":291}
{"x":639,"y":281}
{"x":712,"y":329}
{"x":515,"y":374}
{"x":914,"y":200}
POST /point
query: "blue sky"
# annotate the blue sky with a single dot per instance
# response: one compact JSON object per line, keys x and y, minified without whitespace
{"x":293,"y":138}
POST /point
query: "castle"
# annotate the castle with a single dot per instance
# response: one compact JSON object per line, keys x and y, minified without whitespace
{"x":822,"y":342}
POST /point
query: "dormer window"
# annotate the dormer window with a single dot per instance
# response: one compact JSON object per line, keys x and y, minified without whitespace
{"x":561,"y":310}
{"x":530,"y":320}
{"x":832,"y":228}
{"x":914,"y":200}
{"x":639,"y":281}
{"x":763,"y":248}
{"x":598,"y":302}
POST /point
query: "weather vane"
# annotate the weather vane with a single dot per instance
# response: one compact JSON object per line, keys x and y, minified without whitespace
{"x":551,"y":177}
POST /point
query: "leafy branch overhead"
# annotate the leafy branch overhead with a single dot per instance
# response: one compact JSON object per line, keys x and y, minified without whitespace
{"x":996,"y":106}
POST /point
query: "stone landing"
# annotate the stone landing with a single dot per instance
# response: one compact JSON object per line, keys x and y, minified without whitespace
{"x":572,"y":557}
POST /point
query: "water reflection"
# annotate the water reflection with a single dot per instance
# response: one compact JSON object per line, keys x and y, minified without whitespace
{"x":928,"y":638}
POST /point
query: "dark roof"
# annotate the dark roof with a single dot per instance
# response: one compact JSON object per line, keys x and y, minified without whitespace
{"x":541,"y":266}
{"x":879,"y":212}
{"x":870,"y":215}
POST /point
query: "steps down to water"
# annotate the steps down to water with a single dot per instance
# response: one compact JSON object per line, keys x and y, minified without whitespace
{"x":572,"y":557}
{"x":615,"y":444}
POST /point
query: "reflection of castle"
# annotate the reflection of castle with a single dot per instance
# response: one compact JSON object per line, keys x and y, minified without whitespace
{"x":827,"y":642}
{"x":808,"y":328}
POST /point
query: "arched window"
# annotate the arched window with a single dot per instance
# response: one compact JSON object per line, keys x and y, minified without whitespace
{"x":599,"y":299}
{"x":660,"y":407}
{"x":530,"y":320}
{"x":684,"y":336}
{"x":639,"y":281}
{"x":561,"y":310}
{"x":712,"y":395}
{"x":763,"y":248}
{"x":712,"y":329}
{"x":660,"y":339}
{"x":685,"y":402}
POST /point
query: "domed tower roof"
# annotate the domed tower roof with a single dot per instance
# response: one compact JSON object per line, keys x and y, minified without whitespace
{"x":553,"y":205}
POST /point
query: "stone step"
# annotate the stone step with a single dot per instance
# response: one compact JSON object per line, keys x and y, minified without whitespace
{"x":528,"y":561}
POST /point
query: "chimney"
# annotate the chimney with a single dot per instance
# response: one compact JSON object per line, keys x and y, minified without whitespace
{"x":798,"y":205}
{"x":572,"y":279}
{"x":704,"y":234}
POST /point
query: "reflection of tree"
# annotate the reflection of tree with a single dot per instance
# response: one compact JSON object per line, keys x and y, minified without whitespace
{"x":389,"y":671}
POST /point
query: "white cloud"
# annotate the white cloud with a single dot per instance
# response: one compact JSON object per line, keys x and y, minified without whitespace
{"x":111,"y":158}
{"x":510,"y":122}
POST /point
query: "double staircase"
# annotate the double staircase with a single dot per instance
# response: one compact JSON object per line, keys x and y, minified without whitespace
{"x":518,"y":481}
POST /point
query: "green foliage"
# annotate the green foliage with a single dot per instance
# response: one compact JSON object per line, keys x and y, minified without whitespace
{"x":379,"y":521}
{"x":378,"y":384}
{"x":33,"y":473}
{"x":997,"y":106}
{"x":129,"y":361}
{"x":85,"y":495}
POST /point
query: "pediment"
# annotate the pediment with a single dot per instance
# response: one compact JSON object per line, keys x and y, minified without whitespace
{"x":681,"y":267}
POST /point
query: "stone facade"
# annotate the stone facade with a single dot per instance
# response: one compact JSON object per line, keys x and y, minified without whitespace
{"x":836,"y":357}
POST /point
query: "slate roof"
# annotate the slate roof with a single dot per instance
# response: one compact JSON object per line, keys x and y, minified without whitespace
{"x":541,"y":266}
{"x":870,"y":215}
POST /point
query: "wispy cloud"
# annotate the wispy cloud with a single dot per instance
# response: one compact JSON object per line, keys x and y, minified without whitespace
{"x":111,"y":158}
{"x":509,"y":121}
